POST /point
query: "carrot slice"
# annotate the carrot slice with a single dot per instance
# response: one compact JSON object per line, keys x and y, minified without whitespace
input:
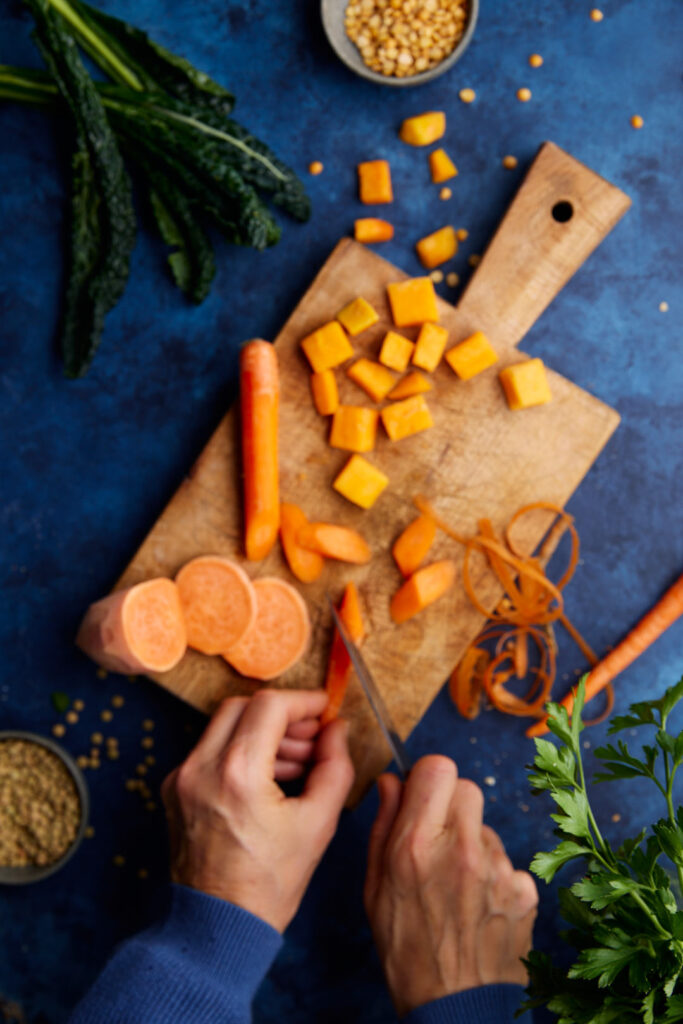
{"x":259,"y":399}
{"x":339,"y":667}
{"x":422,"y":589}
{"x":331,"y":541}
{"x":278,"y":636}
{"x":306,"y":565}
{"x":136,"y":630}
{"x":411,"y":548}
{"x":218,"y":602}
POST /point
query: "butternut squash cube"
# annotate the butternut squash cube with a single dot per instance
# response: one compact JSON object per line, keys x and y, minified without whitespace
{"x":525,"y":384}
{"x":357,"y":316}
{"x":354,"y":428}
{"x":407,"y":417}
{"x":430,"y":345}
{"x":423,"y":129}
{"x":325,"y":393}
{"x":372,"y":229}
{"x":413,"y":384}
{"x":441,"y":166}
{"x":327,"y":347}
{"x":396,"y":351}
{"x":471,"y":356}
{"x":373,"y":378}
{"x":360,"y":482}
{"x":412,"y":301}
{"x":438,"y":247}
{"x":374,"y":182}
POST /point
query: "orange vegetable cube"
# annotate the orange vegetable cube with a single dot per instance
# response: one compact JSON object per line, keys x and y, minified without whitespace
{"x":360,"y":482}
{"x":430,"y":345}
{"x":441,"y":166}
{"x":327,"y":347}
{"x":423,"y":129}
{"x":525,"y":384}
{"x":407,"y":417}
{"x":396,"y":351}
{"x":325,"y":393}
{"x":412,"y":301}
{"x":372,"y":229}
{"x":413,"y":384}
{"x":412,"y":546}
{"x":373,"y":378}
{"x":374,"y":182}
{"x":438,"y":247}
{"x":471,"y":356}
{"x":422,"y":589}
{"x":357,"y":316}
{"x":354,"y":428}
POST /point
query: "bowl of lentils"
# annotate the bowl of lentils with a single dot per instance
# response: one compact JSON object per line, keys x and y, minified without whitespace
{"x":43,"y":807}
{"x":399,"y":42}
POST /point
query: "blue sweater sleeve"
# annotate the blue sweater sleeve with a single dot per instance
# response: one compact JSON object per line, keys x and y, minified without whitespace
{"x":490,"y":1004}
{"x":202,"y":963}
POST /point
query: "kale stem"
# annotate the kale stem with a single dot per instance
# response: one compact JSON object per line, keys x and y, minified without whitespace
{"x":95,"y":44}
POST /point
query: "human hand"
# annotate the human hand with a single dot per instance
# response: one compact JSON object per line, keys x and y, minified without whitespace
{"x":233,"y":832}
{"x":447,"y":909}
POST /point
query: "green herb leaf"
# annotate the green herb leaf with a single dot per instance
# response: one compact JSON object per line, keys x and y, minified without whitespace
{"x":673,"y":1013}
{"x":602,"y":963}
{"x":574,"y":819}
{"x":599,"y":891}
{"x":547,"y":863}
{"x":61,"y":701}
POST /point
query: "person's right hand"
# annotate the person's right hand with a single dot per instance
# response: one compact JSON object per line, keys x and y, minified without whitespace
{"x":447,"y":909}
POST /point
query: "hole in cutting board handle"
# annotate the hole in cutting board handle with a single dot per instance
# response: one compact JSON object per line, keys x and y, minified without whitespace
{"x":562,"y":211}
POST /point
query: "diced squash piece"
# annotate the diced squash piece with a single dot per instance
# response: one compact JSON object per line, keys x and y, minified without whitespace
{"x":441,"y":166}
{"x":306,"y":565}
{"x":354,"y":428}
{"x":422,"y":589}
{"x":325,"y":393}
{"x":332,"y":541}
{"x":423,"y":129}
{"x":430,"y":345}
{"x":413,"y":301}
{"x":414,"y":383}
{"x":437,"y":248}
{"x":471,"y":356}
{"x":360,"y":482}
{"x":407,"y":417}
{"x":411,"y":548}
{"x":357,"y":316}
{"x":327,"y":347}
{"x":396,"y":351}
{"x":525,"y":384}
{"x":374,"y":182}
{"x":372,"y":377}
{"x":372,"y":229}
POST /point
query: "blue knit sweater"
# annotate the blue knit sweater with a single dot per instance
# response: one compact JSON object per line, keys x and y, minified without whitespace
{"x":204,"y":962}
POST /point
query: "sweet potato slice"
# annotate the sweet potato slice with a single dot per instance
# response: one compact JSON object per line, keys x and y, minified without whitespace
{"x":331,"y":541}
{"x":422,"y":589}
{"x":305,"y":564}
{"x":136,"y":630}
{"x":218,"y":602}
{"x":279,"y":635}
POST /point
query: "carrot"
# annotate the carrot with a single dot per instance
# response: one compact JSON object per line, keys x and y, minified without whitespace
{"x":259,"y":395}
{"x":422,"y":589}
{"x":331,"y":541}
{"x":306,"y":565}
{"x":339,"y":667}
{"x":667,"y":610}
{"x":412,"y":546}
{"x":218,"y":602}
{"x":279,"y":635}
{"x":140,"y":629}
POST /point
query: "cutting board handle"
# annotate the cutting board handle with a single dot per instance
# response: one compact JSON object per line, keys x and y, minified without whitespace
{"x":562,"y":211}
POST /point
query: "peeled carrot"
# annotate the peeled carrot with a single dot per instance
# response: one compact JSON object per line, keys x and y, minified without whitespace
{"x":218,"y":602}
{"x":140,"y":629}
{"x":667,"y":610}
{"x":306,"y":565}
{"x":279,"y":635}
{"x":259,"y":398}
{"x":331,"y":541}
{"x":422,"y":589}
{"x":339,"y":667}
{"x":411,"y":548}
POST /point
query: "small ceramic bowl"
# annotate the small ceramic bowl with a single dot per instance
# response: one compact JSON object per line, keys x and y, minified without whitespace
{"x":33,"y":872}
{"x":333,"y":13}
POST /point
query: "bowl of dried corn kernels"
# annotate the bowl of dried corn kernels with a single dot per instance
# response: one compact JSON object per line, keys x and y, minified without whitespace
{"x":43,"y":807}
{"x":399,"y":42}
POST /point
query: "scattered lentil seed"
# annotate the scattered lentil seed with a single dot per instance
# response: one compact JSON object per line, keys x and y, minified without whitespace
{"x":315,"y":167}
{"x":143,"y":873}
{"x":150,"y":759}
{"x":586,"y":744}
{"x":132,"y":679}
{"x":467,"y":95}
{"x":89,"y":832}
{"x":94,"y":752}
{"x":147,"y":742}
{"x":106,"y":715}
{"x":524,"y":808}
{"x":117,"y":701}
{"x":616,"y":817}
{"x":150,"y":806}
{"x":452,"y":279}
{"x":663,"y":307}
{"x":524,"y":94}
{"x":474,"y":260}
{"x":148,"y":724}
{"x":141,"y":769}
{"x":119,"y":860}
{"x":145,"y":792}
{"x":79,"y":705}
{"x":437,"y":276}
{"x":535,"y":60}
{"x":59,"y":729}
{"x":489,"y":780}
{"x":462,"y":234}
{"x":510,"y":162}
{"x":94,"y":762}
{"x":71,"y":717}
{"x":83,"y":761}
{"x":102,"y":673}
{"x":131,"y":785}
{"x":637,"y":121}
{"x":445,"y":193}
{"x":596,"y":14}
{"x":473,"y":739}
{"x":113,"y":754}
{"x":96,"y":738}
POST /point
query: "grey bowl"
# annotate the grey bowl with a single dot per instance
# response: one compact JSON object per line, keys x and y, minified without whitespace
{"x":34,"y":873}
{"x":332,"y":12}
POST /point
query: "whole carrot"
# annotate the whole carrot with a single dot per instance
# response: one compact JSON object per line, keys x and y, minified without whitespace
{"x":667,"y":610}
{"x":259,"y":399}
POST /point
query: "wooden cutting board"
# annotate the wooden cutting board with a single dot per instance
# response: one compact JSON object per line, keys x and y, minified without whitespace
{"x":478,"y":460}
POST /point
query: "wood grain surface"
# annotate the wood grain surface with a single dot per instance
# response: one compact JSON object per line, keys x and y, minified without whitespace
{"x":480,"y":459}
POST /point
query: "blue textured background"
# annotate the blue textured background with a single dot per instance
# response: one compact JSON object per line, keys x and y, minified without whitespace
{"x":87,"y":466}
